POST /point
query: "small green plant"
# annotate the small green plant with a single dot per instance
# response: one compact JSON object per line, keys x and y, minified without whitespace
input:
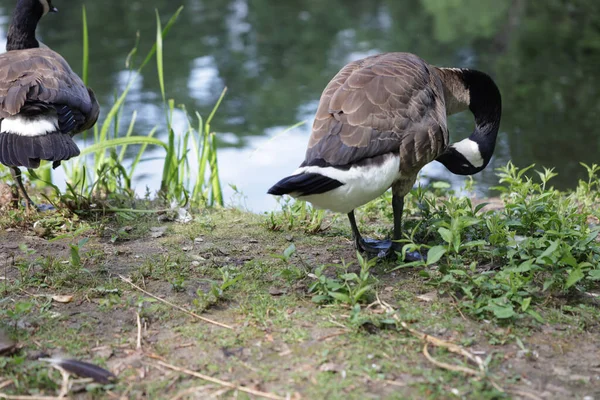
{"x":296,"y":214}
{"x":502,"y":263}
{"x":345,"y":287}
{"x":75,"y":252}
{"x":291,"y":272}
{"x":217,"y":290}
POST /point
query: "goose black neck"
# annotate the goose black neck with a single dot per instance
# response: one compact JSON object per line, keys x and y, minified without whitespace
{"x":486,"y":105}
{"x":471,"y":156}
{"x":21,"y":33}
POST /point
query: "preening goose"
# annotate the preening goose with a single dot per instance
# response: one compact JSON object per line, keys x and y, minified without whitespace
{"x":43,"y":103}
{"x":379,"y":121}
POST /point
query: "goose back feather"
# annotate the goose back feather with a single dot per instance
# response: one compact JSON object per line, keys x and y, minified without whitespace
{"x":40,"y":75}
{"x":378,"y":105}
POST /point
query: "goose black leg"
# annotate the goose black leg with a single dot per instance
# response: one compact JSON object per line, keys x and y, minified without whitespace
{"x":379,"y":248}
{"x":16,"y":173}
{"x":384,"y":248}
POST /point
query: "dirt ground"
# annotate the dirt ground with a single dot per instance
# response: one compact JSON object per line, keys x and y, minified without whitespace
{"x":279,"y":341}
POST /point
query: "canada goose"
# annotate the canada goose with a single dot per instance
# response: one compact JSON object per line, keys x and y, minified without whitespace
{"x":379,"y":121}
{"x":43,"y":103}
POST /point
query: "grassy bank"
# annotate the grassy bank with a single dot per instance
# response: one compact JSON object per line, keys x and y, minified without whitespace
{"x":512,"y":283}
{"x":182,"y":299}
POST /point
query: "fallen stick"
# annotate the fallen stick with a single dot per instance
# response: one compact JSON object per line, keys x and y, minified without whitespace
{"x":9,"y":397}
{"x":450,"y":367}
{"x":220,"y":382}
{"x":210,"y":321}
{"x":438,"y":343}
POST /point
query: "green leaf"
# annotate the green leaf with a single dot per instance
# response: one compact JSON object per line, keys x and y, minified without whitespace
{"x":344,"y":298}
{"x":75,"y":258}
{"x":361,"y":260}
{"x":426,"y":274}
{"x":594,"y":275}
{"x":480,"y":206}
{"x":525,"y":304}
{"x":548,"y":283}
{"x":535,"y":315}
{"x":465,"y":222}
{"x":525,"y":266}
{"x":475,"y":243}
{"x":550,"y":250}
{"x":569,"y":260}
{"x":360,"y":292}
{"x":320,"y":299}
{"x":502,"y":312}
{"x":592,"y":236}
{"x":435,"y":254}
{"x":446,"y":234}
{"x":287,"y":253}
{"x":349,"y":277}
{"x":575,"y":276}
{"x":441,"y":185}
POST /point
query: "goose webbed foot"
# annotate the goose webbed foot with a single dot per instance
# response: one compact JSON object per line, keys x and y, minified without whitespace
{"x":386,"y":249}
{"x":379,"y":248}
{"x":29,"y":204}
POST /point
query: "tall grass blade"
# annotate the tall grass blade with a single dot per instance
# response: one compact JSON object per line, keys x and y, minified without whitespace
{"x":86,"y":47}
{"x":112,"y":143}
{"x":159,"y":56}
{"x":215,"y":182}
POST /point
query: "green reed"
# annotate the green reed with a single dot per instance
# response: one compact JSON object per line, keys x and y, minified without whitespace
{"x":100,"y":169}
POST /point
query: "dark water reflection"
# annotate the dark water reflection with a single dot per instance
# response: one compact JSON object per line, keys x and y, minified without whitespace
{"x":276,"y":57}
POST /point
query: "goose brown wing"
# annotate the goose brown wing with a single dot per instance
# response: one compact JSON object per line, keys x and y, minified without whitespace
{"x":41,"y":75}
{"x":391,"y":102}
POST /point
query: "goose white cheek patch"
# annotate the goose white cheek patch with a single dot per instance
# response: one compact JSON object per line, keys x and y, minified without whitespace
{"x":470,"y":150}
{"x":46,"y":6}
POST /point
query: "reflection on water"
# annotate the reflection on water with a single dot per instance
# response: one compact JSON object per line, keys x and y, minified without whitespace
{"x":276,"y":57}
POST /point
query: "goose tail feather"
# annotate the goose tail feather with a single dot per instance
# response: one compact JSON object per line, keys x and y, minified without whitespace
{"x":304,"y":184}
{"x":27,"y":151}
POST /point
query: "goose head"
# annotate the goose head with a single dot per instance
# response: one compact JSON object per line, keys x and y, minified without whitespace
{"x":25,"y":18}
{"x":47,"y":6}
{"x":476,"y":91}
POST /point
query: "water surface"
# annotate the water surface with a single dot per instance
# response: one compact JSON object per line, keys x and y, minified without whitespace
{"x":277,"y":56}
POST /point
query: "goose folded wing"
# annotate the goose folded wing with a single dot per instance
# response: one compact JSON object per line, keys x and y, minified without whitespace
{"x":42,"y":76}
{"x":378,"y":105}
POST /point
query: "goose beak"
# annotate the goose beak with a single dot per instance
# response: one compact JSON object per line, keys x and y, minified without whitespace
{"x":54,"y":9}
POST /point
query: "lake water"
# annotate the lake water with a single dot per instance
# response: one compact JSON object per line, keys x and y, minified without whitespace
{"x":276,"y":56}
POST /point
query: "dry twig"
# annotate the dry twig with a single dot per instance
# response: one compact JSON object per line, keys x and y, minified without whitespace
{"x":9,"y":397}
{"x":183,"y":394}
{"x":450,"y":367}
{"x":210,"y":321}
{"x":221,"y":382}
{"x":139,"y":332}
{"x":438,"y":343}
{"x":525,"y":394}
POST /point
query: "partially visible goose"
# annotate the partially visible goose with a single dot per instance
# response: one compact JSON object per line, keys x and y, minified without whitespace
{"x":43,"y":103}
{"x":379,"y":121}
